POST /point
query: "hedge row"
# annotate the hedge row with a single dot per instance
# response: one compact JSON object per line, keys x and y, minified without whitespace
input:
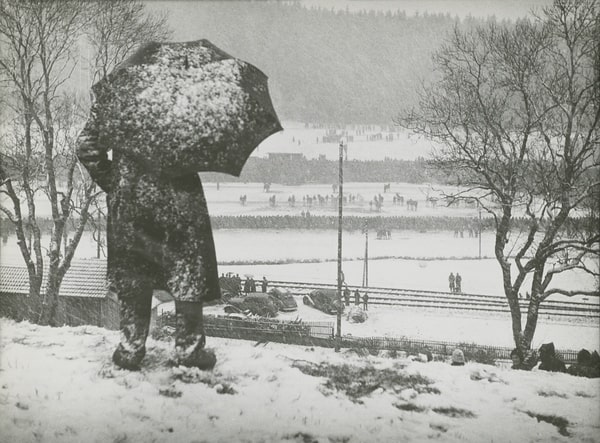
{"x":354,"y":223}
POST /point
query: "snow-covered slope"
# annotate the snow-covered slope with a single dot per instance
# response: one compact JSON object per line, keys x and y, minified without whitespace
{"x":58,"y":385}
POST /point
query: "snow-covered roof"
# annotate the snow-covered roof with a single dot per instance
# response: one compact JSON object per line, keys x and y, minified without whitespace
{"x":85,"y":278}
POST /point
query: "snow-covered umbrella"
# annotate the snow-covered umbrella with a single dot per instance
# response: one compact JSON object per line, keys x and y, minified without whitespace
{"x":205,"y":109}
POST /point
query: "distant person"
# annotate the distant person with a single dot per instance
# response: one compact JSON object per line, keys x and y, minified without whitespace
{"x":252,"y":285}
{"x":347,"y":296}
{"x":356,"y":297}
{"x":451,"y":282}
{"x":247,"y":286}
{"x":366,"y":302}
{"x":264,"y":284}
{"x":458,"y":283}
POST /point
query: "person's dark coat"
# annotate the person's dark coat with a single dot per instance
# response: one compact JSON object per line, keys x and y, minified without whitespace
{"x":550,"y":362}
{"x":458,"y":283}
{"x":158,"y":226}
{"x":451,"y":282}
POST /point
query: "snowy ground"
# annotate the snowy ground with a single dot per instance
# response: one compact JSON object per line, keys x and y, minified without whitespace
{"x":264,"y":393}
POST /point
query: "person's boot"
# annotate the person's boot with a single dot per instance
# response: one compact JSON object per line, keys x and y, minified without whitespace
{"x":134,"y":325}
{"x":190,"y":338}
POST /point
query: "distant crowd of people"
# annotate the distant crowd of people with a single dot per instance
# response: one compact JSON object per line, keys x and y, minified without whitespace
{"x":357,"y":298}
{"x":309,"y":201}
{"x":455,"y":282}
{"x":233,"y":284}
{"x":329,"y":221}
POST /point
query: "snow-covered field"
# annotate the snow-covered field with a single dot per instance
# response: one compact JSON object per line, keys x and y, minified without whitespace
{"x":297,"y":137}
{"x":410,"y":259}
{"x":58,"y":385}
{"x":224,"y":200}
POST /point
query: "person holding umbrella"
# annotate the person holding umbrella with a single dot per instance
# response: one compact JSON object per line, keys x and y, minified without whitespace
{"x":166,"y":113}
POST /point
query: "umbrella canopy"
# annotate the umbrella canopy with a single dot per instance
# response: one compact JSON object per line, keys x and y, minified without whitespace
{"x":205,"y":110}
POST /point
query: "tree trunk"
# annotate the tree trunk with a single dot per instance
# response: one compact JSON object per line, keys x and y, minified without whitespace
{"x":51,"y":313}
{"x":512,"y":296}
{"x":534,"y":303}
{"x":34,"y":302}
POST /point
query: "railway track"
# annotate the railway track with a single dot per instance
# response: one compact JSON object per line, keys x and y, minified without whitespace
{"x":450,"y":301}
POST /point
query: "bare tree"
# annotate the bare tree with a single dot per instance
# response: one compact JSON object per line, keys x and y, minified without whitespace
{"x":515,"y":115}
{"x":116,"y":29}
{"x":39,"y":41}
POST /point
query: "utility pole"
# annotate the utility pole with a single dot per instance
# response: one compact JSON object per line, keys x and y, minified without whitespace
{"x":99,"y":228}
{"x":479,"y":208}
{"x":366,"y":264}
{"x":339,"y":257}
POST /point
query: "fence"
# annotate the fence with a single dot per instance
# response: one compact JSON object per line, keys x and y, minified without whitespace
{"x":322,"y":334}
{"x":472,"y":351}
{"x":301,"y":333}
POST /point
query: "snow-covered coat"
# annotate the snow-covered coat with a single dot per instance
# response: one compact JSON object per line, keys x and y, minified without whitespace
{"x":158,"y":226}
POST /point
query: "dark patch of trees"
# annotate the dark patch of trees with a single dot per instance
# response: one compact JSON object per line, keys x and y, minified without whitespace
{"x":302,"y":170}
{"x":324,"y":65}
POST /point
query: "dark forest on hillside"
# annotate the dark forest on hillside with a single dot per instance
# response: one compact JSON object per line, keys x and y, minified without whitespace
{"x":330,"y":66}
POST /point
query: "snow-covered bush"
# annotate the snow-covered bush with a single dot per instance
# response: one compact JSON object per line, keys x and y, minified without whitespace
{"x":356,"y":315}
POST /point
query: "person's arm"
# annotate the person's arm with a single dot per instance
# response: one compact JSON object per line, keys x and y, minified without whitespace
{"x":94,"y":155}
